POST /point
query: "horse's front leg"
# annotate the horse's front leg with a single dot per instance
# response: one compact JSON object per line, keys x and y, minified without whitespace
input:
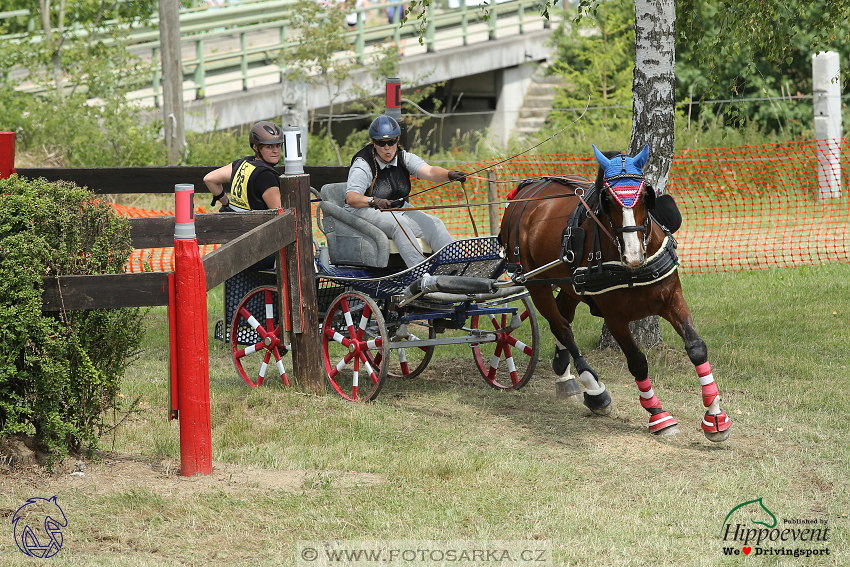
{"x":596,"y":396}
{"x":660,"y":422}
{"x":715,"y":424}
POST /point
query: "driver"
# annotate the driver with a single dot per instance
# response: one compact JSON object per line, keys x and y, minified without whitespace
{"x":379,"y":179}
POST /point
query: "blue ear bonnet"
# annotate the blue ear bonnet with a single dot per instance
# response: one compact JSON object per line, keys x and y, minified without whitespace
{"x":623,"y":175}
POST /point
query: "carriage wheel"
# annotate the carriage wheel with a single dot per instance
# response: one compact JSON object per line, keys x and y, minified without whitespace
{"x":256,"y":310}
{"x":409,"y":362}
{"x":509,"y":361}
{"x":353,"y":336}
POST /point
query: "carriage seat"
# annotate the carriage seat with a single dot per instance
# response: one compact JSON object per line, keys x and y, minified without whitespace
{"x":353,"y":241}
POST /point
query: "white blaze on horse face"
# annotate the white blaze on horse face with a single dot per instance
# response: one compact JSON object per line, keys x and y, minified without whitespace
{"x":632,"y":254}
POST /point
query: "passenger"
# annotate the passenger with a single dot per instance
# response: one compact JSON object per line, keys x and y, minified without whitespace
{"x":379,"y":178}
{"x":254,"y":183}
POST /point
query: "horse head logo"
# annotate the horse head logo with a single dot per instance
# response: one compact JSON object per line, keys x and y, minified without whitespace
{"x":38,"y":527}
{"x":623,"y":176}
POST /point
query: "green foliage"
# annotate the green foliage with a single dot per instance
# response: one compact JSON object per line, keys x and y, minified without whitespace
{"x":757,"y":51}
{"x":759,"y":37}
{"x":596,"y":58}
{"x":59,"y":373}
{"x":88,"y":121}
{"x":320,"y":151}
{"x":110,"y":135}
{"x":315,"y":57}
{"x":217,"y":147}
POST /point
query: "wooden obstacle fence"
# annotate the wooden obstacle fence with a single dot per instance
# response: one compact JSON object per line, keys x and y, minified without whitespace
{"x":245,"y":239}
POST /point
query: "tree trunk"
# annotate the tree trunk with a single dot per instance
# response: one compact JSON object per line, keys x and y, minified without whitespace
{"x":654,"y":97}
{"x":54,"y":45}
{"x":172,"y":80}
{"x":646,"y":332}
{"x":654,"y":87}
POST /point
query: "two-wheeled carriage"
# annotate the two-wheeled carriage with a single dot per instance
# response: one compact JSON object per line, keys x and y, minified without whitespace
{"x":378,"y":320}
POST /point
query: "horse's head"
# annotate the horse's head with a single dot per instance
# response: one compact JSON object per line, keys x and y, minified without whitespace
{"x":625,"y":199}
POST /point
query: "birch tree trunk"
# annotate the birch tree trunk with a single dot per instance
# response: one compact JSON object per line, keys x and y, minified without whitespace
{"x":653,"y":103}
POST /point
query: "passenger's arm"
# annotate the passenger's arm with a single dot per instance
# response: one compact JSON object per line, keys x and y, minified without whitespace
{"x":215,"y":180}
{"x":271,"y":197}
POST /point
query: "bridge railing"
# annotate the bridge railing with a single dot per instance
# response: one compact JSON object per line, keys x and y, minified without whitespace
{"x":256,"y":57}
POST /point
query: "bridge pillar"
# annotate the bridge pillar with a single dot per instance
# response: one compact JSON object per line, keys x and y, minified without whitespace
{"x":511,"y":86}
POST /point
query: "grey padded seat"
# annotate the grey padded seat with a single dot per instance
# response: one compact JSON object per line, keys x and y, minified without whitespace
{"x":351,"y":240}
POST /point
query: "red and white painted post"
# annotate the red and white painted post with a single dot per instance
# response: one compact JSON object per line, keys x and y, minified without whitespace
{"x":192,"y":349}
{"x":7,"y":154}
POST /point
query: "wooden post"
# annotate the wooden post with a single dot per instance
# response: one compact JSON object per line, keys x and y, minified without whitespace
{"x":301,"y":276}
{"x":193,"y":365}
{"x":7,"y":154}
{"x":172,"y":79}
{"x":493,"y":195}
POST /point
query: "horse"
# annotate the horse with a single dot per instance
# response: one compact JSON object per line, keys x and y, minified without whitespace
{"x":615,"y":256}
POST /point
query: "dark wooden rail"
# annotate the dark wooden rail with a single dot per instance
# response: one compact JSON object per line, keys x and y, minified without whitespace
{"x":246,"y":239}
{"x":113,"y":180}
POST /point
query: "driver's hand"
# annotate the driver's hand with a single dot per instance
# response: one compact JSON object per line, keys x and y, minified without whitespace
{"x":381,"y":204}
{"x":455,"y":175}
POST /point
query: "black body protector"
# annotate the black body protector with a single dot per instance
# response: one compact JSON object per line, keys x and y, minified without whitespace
{"x":392,"y":182}
{"x":243,"y":189}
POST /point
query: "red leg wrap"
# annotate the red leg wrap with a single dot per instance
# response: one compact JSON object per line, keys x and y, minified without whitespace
{"x":706,"y":380}
{"x":645,"y":387}
{"x":716,"y":423}
{"x":709,"y":392}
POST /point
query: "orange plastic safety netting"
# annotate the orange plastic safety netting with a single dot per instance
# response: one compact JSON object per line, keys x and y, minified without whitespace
{"x":742,"y":208}
{"x":155,"y":259}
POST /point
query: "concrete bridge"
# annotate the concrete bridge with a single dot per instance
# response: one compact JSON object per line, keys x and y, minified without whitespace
{"x":233,"y":77}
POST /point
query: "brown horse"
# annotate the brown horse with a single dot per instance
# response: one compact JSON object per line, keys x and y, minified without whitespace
{"x":627,"y":272}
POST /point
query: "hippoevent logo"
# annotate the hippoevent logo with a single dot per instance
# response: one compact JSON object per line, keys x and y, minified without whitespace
{"x":38,"y":527}
{"x":751,"y":528}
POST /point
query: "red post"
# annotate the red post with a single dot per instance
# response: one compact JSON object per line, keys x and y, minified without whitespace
{"x":393,"y":107}
{"x":193,"y":365}
{"x":7,"y":154}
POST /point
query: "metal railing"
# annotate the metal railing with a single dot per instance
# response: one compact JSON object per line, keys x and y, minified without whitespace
{"x":236,"y":25}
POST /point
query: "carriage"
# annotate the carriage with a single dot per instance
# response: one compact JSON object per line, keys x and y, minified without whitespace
{"x":380,"y":319}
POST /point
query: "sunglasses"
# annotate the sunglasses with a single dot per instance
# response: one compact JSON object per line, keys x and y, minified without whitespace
{"x":385,"y":143}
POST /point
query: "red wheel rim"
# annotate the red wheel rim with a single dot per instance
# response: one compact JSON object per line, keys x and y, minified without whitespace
{"x":256,"y":310}
{"x":353,"y":337}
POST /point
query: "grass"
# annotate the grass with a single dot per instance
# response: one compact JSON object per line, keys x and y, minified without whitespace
{"x":444,"y":457}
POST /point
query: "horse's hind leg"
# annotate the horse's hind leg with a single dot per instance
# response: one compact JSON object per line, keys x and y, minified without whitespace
{"x":660,"y":422}
{"x":596,"y":396}
{"x":715,"y":424}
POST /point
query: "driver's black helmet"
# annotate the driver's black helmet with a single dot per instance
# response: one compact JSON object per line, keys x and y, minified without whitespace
{"x":383,"y":128}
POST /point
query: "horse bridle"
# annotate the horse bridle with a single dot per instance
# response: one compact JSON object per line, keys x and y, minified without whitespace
{"x":645,"y":228}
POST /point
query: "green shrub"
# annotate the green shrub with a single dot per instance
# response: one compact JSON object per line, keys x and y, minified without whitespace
{"x":59,"y":372}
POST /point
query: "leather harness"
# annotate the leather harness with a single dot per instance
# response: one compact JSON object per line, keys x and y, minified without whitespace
{"x":603,"y":276}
